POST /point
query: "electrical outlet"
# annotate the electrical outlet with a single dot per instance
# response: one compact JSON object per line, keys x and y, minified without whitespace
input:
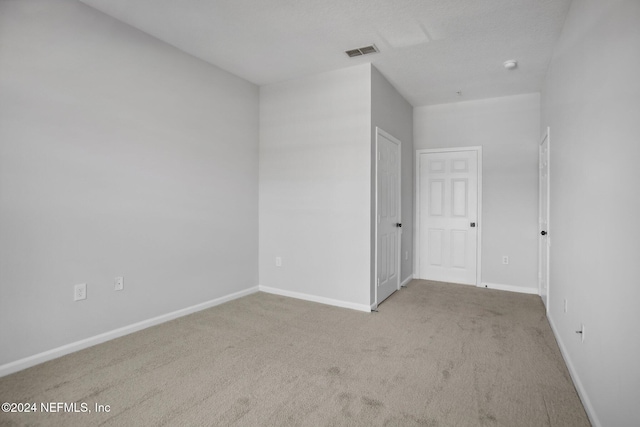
{"x":80,"y":292}
{"x":505,"y":259}
{"x":566,"y":305}
{"x":118,"y":284}
{"x":278,"y":261}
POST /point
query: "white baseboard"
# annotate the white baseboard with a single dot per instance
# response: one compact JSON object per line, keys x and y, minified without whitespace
{"x":45,"y":356}
{"x":406,"y":281}
{"x":314,"y":298}
{"x":510,"y":288}
{"x":591,"y":413}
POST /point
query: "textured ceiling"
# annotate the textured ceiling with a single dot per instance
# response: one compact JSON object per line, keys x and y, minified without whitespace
{"x":429,"y":49}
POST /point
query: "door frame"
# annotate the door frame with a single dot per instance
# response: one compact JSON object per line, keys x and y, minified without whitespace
{"x":541,"y":240}
{"x":416,"y":235}
{"x":380,"y":132}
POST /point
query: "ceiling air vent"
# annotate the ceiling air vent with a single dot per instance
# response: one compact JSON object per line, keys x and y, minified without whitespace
{"x":362,"y":51}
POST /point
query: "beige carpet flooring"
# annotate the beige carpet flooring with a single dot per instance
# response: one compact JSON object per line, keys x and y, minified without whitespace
{"x":435,"y":354}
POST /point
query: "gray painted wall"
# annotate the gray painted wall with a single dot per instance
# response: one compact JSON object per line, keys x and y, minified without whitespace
{"x":119,"y":156}
{"x":393,"y":114}
{"x":508,"y":129}
{"x":591,"y":101}
{"x":317,"y":137}
{"x":315,"y":161}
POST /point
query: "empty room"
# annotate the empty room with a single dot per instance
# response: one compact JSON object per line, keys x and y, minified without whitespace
{"x":306,"y":213}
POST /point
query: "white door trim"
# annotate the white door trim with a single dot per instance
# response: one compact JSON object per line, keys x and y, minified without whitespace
{"x":380,"y":132}
{"x":416,"y":236}
{"x":542,"y":240}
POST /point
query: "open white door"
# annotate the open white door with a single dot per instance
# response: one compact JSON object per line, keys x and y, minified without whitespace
{"x":388,"y":219}
{"x":448,"y":214}
{"x":544,"y":241}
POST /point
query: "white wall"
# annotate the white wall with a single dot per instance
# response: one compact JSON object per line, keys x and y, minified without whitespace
{"x":119,"y":155}
{"x":508,"y":130}
{"x":591,"y":101}
{"x":392,"y":113}
{"x":315,"y":183}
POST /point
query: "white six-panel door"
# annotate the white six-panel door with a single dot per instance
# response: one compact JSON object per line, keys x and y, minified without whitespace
{"x":448,"y":215}
{"x":388,"y":219}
